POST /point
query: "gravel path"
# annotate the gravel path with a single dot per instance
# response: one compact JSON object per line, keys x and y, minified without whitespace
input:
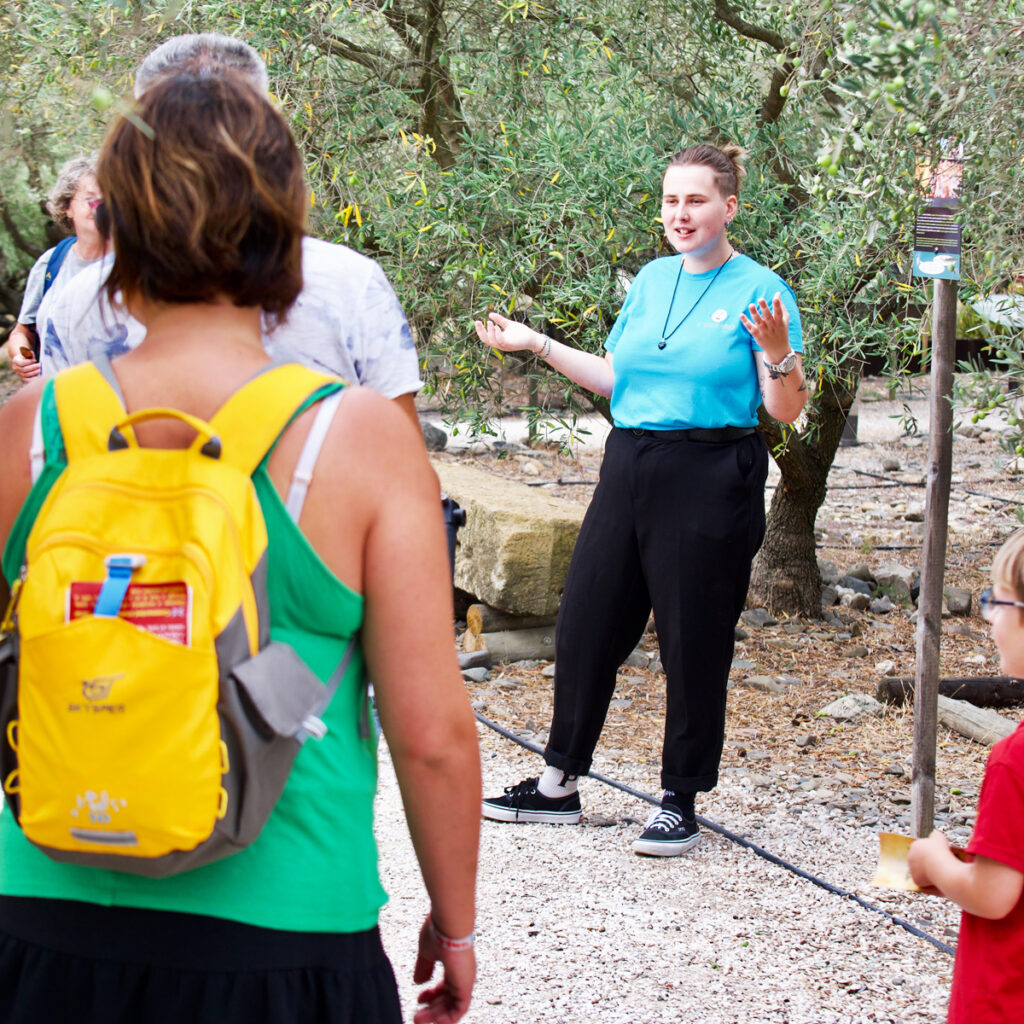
{"x":573,"y":927}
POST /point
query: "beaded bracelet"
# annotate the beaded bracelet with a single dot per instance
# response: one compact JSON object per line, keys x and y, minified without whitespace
{"x":453,"y":945}
{"x":545,"y":349}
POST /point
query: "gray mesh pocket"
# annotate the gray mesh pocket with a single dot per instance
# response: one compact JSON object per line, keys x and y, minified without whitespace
{"x":284,"y":707}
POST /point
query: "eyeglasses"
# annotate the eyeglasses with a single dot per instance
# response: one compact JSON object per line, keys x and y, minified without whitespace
{"x":990,"y":604}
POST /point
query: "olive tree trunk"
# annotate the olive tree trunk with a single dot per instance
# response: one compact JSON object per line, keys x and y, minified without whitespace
{"x":785,"y":575}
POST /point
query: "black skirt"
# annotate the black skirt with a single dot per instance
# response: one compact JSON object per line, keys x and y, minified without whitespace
{"x":80,"y":963}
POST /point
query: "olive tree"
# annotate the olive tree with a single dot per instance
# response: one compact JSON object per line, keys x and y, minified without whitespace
{"x":880,"y":86}
{"x":507,"y":154}
{"x":549,"y":201}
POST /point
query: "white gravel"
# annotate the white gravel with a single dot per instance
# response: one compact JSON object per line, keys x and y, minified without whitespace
{"x":573,"y":927}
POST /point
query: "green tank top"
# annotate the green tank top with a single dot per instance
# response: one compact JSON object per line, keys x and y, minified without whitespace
{"x":314,"y":866}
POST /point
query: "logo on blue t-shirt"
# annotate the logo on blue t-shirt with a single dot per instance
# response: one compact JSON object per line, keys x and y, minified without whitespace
{"x":719,"y":315}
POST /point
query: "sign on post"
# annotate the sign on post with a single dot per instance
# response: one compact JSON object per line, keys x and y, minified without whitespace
{"x":936,"y":255}
{"x":937,"y":229}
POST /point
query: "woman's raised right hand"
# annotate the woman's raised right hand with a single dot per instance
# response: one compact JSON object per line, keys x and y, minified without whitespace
{"x":507,"y":335}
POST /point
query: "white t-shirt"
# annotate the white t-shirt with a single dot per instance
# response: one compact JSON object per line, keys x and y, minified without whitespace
{"x":35,"y":303}
{"x":346,"y":321}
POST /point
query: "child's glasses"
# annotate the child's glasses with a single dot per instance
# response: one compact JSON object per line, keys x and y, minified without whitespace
{"x":989,"y":604}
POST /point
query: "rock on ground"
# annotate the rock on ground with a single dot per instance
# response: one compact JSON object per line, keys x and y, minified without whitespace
{"x":513,"y":553}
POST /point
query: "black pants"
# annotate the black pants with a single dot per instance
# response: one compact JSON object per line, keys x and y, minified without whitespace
{"x":673,"y":525}
{"x":67,"y":962}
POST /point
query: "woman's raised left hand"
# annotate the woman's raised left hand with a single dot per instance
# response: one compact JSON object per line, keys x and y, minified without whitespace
{"x":769,"y":326}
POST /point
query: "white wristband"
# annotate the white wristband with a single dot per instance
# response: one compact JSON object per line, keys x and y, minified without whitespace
{"x":453,"y":945}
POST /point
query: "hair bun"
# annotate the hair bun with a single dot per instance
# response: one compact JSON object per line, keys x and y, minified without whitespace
{"x":736,"y":155}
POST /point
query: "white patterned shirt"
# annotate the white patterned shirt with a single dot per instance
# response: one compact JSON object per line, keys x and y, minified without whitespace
{"x":346,"y":321}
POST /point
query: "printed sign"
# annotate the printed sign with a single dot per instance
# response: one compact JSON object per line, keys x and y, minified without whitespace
{"x":163,"y":609}
{"x":937,"y":230}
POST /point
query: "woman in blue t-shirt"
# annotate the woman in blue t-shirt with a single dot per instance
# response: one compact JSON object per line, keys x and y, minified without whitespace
{"x":703,"y":338}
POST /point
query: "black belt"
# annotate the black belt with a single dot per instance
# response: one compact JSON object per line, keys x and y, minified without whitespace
{"x":706,"y":435}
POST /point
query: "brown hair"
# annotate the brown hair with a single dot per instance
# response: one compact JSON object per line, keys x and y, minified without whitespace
{"x":726,"y":162}
{"x":1008,"y":565}
{"x":204,"y":196}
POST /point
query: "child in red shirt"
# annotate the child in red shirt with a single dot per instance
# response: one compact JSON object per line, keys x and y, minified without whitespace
{"x":988,"y":976}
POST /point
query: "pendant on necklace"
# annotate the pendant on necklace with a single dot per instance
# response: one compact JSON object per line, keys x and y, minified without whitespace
{"x":665,"y":332}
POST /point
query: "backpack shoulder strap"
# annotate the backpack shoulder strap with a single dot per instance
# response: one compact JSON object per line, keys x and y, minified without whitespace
{"x":253,"y":418}
{"x":56,"y":260}
{"x":87,"y":408}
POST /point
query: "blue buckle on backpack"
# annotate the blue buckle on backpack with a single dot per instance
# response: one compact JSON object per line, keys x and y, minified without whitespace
{"x":115,"y":586}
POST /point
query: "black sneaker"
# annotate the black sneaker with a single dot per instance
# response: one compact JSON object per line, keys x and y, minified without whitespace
{"x":668,"y":833}
{"x":525,"y":803}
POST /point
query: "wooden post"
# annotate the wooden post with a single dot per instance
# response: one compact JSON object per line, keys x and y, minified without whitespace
{"x":933,"y":555}
{"x":532,"y":397}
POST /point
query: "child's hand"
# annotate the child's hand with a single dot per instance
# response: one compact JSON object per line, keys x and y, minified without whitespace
{"x":922,"y":855}
{"x":981,"y":886}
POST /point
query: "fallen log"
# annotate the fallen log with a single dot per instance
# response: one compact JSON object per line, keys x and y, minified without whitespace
{"x":513,"y":644}
{"x":978,"y":724}
{"x":482,"y":618}
{"x":981,"y":691}
{"x":474,"y":659}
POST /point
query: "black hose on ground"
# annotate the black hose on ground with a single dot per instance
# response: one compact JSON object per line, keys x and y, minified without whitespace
{"x":739,"y":840}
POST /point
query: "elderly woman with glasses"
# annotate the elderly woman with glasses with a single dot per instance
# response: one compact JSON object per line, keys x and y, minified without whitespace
{"x":72,"y":204}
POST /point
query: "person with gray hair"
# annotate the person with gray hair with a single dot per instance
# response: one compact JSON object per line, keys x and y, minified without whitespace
{"x":72,"y":203}
{"x":71,"y":175}
{"x":202,"y":53}
{"x":346,"y":321}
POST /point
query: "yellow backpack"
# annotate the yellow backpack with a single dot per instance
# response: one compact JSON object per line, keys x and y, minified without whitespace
{"x":149,"y":723}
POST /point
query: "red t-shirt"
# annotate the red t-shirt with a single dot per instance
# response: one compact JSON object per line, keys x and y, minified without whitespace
{"x":988,"y":976}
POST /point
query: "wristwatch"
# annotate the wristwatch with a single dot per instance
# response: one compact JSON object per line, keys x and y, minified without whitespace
{"x":781,"y":368}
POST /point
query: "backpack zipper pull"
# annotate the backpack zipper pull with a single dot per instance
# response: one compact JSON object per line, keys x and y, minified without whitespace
{"x":7,"y":625}
{"x":115,"y":586}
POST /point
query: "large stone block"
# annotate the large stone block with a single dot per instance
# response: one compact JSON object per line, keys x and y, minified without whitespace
{"x":513,"y":553}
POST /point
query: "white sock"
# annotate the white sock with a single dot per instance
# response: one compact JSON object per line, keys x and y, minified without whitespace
{"x":554,"y":783}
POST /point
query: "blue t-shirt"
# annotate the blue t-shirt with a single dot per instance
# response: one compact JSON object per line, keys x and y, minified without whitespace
{"x":705,"y":376}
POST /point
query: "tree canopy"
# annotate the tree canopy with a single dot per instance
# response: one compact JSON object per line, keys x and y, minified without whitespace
{"x":508,"y":155}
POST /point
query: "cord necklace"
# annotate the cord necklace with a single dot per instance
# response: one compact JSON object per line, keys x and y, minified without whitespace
{"x":671,"y":303}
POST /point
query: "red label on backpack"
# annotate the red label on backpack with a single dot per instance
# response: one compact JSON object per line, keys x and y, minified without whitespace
{"x":163,"y":609}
